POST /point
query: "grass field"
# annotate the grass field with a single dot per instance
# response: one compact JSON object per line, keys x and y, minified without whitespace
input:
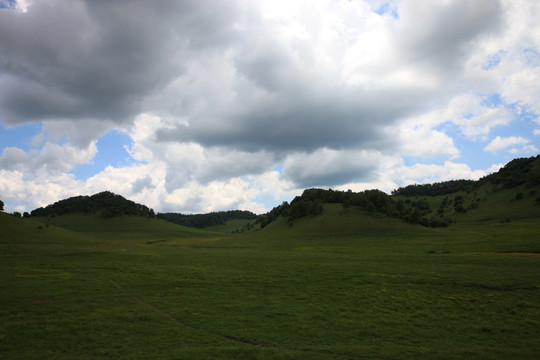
{"x":342,"y":285}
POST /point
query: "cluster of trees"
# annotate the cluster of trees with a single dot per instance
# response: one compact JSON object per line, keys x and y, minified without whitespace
{"x":373,"y":201}
{"x":521,"y":171}
{"x":205,"y":220}
{"x":298,"y":208}
{"x":106,"y":202}
{"x":440,"y":188}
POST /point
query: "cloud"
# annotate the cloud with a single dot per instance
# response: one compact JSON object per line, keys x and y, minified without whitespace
{"x":30,"y":192}
{"x":471,"y":113}
{"x":140,"y":184}
{"x":262,"y":77}
{"x":293,"y":101}
{"x":328,"y":168}
{"x":499,"y":143}
{"x":50,"y":159}
{"x":420,"y":140}
{"x":448,"y":31}
{"x":430,"y":173}
{"x":96,"y":60}
{"x":217,"y":95}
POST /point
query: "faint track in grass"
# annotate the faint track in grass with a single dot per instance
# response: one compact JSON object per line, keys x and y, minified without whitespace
{"x":232,"y":338}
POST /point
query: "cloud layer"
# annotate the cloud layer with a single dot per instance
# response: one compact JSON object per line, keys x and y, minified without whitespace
{"x":232,"y":103}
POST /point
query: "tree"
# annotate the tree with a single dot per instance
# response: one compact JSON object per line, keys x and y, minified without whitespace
{"x":1,"y":205}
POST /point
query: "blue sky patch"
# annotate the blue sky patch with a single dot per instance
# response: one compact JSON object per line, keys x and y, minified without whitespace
{"x":387,"y":9}
{"x":278,"y":168}
{"x":494,"y":60}
{"x":532,"y":57}
{"x":19,"y":136}
{"x":111,"y":151}
{"x":8,"y":4}
{"x":492,"y":100}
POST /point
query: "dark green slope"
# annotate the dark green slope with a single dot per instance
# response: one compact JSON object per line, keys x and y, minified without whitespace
{"x":104,"y":203}
{"x":513,"y":193}
{"x":17,"y":230}
{"x":124,"y":227}
{"x":336,"y":220}
{"x":110,"y":216}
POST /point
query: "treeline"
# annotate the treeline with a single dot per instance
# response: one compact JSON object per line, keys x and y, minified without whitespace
{"x":106,"y":202}
{"x":205,"y":220}
{"x":440,"y":188}
{"x":373,"y":201}
{"x":521,"y":171}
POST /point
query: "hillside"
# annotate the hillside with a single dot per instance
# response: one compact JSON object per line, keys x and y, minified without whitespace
{"x":346,"y":281}
{"x":511,"y":193}
{"x":129,"y":227}
{"x":216,"y":219}
{"x":343,"y":284}
{"x":105,"y":203}
{"x":31,"y":231}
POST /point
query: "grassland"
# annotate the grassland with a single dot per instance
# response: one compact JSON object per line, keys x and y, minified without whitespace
{"x":342,"y":285}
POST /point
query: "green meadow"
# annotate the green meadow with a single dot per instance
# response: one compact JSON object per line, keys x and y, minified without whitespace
{"x":341,"y":285}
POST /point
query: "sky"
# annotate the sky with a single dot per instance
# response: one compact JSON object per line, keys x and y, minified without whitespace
{"x":195,"y":106}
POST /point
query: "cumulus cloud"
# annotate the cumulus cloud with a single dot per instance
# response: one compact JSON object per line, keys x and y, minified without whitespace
{"x":88,"y":59}
{"x":430,"y":173}
{"x":217,"y":95}
{"x":499,"y":143}
{"x":51,"y":159}
{"x":329,"y":168}
{"x":280,"y":85}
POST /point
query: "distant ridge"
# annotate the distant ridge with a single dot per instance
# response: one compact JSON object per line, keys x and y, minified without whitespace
{"x":201,"y":221}
{"x":452,"y":200}
{"x":431,"y":205}
{"x":522,"y":171}
{"x":106,"y":203}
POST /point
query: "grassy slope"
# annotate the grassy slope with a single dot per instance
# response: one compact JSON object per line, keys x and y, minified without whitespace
{"x":230,"y":226}
{"x":336,"y":286}
{"x":125,"y":227}
{"x":487,"y":204}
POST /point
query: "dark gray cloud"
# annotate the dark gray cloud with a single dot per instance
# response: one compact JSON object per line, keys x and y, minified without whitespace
{"x":442,"y":35}
{"x":98,"y":59}
{"x":111,"y":60}
{"x":250,"y":89}
{"x":341,"y":120}
{"x":330,"y":168}
{"x":140,"y":184}
{"x":328,"y":179}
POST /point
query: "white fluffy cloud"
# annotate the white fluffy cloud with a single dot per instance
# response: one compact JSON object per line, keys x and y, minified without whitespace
{"x":499,"y":143}
{"x":50,"y":159}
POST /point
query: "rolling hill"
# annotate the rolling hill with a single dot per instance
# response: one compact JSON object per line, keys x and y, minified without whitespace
{"x":510,"y":194}
{"x":348,"y":280}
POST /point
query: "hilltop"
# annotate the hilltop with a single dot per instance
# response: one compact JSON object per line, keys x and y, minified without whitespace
{"x":106,"y":203}
{"x":215,"y":219}
{"x":512,"y":192}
